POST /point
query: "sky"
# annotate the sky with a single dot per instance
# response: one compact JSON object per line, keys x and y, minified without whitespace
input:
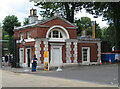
{"x":21,"y":8}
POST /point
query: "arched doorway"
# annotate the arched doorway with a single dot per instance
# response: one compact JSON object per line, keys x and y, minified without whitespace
{"x":56,"y":34}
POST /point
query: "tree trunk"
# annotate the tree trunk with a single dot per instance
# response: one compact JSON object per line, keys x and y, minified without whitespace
{"x":67,"y":11}
{"x":70,"y":12}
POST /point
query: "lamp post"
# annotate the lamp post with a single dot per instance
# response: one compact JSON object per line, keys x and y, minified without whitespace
{"x":23,"y":42}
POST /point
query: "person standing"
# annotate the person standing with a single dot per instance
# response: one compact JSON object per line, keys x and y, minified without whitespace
{"x":34,"y":63}
{"x":3,"y":60}
{"x":6,"y":59}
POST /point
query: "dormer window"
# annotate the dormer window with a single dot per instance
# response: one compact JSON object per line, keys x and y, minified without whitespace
{"x":55,"y":34}
{"x":21,"y":35}
{"x":28,"y":35}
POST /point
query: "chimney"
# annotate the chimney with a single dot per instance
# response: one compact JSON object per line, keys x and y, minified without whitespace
{"x":33,"y":16}
{"x":83,"y":33}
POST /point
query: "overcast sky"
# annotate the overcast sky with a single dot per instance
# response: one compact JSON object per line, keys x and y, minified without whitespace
{"x":20,"y":8}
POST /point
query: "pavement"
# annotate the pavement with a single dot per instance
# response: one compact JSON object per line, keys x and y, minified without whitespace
{"x":21,"y":77}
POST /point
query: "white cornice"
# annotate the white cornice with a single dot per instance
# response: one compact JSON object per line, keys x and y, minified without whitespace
{"x":26,"y":40}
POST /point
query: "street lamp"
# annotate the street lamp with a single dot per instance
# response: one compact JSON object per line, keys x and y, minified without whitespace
{"x":23,"y":42}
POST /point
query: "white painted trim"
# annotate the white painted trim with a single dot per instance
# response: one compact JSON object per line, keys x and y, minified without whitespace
{"x":17,"y":28}
{"x":26,"y":40}
{"x":56,"y":40}
{"x":26,"y":61}
{"x":88,"y":56}
{"x":57,"y":26}
{"x":21,"y":61}
{"x":99,"y":52}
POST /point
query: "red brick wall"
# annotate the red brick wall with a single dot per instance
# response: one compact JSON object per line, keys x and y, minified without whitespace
{"x":72,"y":52}
{"x":17,"y":34}
{"x":93,"y":51}
{"x":42,"y":52}
{"x":32,"y":49}
{"x":72,"y":33}
{"x":64,"y":53}
{"x":57,"y":21}
{"x":42,"y":31}
{"x":32,"y":30}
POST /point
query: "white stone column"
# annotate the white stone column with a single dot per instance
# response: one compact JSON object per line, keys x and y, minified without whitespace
{"x":37,"y":50}
{"x":68,"y":50}
{"x":75,"y":52}
{"x":99,"y":51}
{"x":46,"y":45}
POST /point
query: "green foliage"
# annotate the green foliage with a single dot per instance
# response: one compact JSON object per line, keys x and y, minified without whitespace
{"x":26,"y":21}
{"x":111,"y":12}
{"x":6,"y":37}
{"x":65,"y":9}
{"x":109,"y":35}
{"x":10,"y":45}
{"x":8,"y":24}
{"x":86,"y":23}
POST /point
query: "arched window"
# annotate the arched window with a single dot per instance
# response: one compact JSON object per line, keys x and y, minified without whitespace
{"x":55,"y":34}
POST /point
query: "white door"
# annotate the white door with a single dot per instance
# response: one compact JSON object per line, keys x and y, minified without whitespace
{"x":56,"y":56}
{"x":21,"y":56}
{"x":85,"y":55}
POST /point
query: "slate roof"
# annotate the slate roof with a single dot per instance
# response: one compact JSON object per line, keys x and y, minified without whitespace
{"x":87,"y":38}
{"x":40,"y":22}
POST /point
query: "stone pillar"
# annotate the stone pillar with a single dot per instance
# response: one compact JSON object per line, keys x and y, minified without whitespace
{"x":37,"y":50}
{"x":99,"y":51}
{"x":75,"y":52}
{"x":46,"y":45}
{"x":68,"y":50}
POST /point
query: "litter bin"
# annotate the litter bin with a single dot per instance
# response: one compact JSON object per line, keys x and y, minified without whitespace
{"x":107,"y":56}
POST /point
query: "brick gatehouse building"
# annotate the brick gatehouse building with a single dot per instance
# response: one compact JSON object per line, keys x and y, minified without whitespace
{"x":57,"y":36}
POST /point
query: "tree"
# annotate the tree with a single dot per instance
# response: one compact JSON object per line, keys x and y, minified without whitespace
{"x":109,"y":35}
{"x":8,"y":26}
{"x":86,"y":23}
{"x":65,"y":9}
{"x":110,"y":11}
{"x":26,"y":21}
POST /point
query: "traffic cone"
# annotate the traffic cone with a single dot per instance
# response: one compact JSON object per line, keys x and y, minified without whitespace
{"x":109,"y":60}
{"x":100,"y":61}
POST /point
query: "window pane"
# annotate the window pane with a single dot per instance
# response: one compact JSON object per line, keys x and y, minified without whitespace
{"x":61,"y":35}
{"x":28,"y":34}
{"x":85,"y":54}
{"x":55,"y":34}
{"x":21,"y":35}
